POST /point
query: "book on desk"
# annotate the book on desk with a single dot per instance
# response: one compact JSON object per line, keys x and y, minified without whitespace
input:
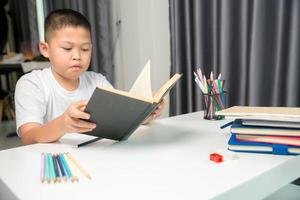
{"x":273,"y":130}
{"x":261,"y":147}
{"x":118,"y":113}
{"x":283,"y":114}
{"x":252,"y":129}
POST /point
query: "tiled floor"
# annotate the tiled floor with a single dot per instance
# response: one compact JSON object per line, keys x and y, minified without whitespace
{"x":7,"y":127}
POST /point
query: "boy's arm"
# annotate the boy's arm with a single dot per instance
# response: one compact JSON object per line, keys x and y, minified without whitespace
{"x":37,"y":133}
{"x":70,"y":121}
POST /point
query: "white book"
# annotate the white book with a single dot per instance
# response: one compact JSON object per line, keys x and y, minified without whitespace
{"x":287,"y":114}
{"x":271,"y":123}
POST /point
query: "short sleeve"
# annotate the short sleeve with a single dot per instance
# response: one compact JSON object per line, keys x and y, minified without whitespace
{"x":103,"y":82}
{"x":97,"y":80}
{"x":30,"y":103}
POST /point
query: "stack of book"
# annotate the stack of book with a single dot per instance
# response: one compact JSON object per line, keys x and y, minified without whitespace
{"x":273,"y":130}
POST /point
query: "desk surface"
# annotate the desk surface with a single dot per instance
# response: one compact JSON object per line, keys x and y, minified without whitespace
{"x":168,"y":160}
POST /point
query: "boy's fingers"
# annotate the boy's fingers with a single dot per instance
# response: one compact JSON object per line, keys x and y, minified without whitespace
{"x":82,"y":108}
{"x":76,"y":113}
{"x":84,"y":124}
{"x":83,"y":130}
{"x":81,"y":103}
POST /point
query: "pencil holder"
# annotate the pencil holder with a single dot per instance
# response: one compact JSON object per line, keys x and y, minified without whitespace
{"x":213,"y":103}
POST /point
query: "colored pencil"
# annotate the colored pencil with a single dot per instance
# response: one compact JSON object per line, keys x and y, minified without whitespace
{"x":213,"y":92}
{"x":62,"y":170}
{"x":79,"y":166}
{"x":88,"y":142}
{"x":71,"y":167}
{"x":52,"y":172}
{"x":55,"y":168}
{"x":46,"y":168}
{"x":58,"y":167}
{"x":66,"y":167}
{"x":42,"y":168}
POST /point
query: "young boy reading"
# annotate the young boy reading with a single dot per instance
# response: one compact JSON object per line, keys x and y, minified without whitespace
{"x":50,"y":103}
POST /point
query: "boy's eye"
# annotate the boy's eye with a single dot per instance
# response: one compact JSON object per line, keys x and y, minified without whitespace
{"x":85,"y":49}
{"x":67,"y":49}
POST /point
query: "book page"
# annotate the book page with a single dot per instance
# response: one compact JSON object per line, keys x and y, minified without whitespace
{"x":142,"y":85}
{"x":166,"y":87}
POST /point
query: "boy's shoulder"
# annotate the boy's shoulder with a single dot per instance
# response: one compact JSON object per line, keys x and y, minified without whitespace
{"x":91,"y":76}
{"x":95,"y":79}
{"x":36,"y":76}
{"x":37,"y":73}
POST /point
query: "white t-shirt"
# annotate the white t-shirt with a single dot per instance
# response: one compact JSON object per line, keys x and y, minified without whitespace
{"x":39,"y":97}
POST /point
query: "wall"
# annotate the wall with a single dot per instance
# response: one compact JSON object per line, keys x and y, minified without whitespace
{"x":142,"y":34}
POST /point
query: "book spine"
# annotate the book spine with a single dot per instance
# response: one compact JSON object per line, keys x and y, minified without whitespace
{"x":139,"y":120}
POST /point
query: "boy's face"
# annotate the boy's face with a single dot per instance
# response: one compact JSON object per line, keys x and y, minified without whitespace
{"x":69,"y":51}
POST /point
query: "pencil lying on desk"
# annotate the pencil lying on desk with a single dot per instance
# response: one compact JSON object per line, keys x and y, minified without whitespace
{"x":78,"y":166}
{"x":60,"y":174}
{"x":71,"y":167}
{"x":57,"y":175}
{"x":42,"y":168}
{"x":66,"y":168}
{"x":61,"y":167}
{"x":51,"y":167}
{"x":47,"y":168}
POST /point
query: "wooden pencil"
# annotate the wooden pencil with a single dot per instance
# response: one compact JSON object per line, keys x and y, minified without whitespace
{"x":51,"y":167}
{"x":66,"y":167}
{"x":62,"y":170}
{"x":72,"y":168}
{"x":47,"y":168}
{"x":78,"y":166}
{"x":57,"y":175}
{"x":42,"y":168}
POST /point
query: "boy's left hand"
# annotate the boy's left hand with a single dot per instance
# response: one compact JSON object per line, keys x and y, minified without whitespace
{"x":156,"y":113}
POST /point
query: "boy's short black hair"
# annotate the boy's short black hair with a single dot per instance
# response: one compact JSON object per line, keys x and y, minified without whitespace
{"x":61,"y":18}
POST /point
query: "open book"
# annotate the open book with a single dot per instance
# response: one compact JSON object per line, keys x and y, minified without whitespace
{"x":118,"y":113}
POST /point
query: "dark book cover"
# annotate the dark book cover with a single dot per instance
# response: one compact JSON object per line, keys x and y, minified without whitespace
{"x":116,"y":115}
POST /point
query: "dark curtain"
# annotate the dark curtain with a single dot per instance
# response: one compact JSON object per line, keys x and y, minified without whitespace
{"x":24,"y":18}
{"x":3,"y":26}
{"x":23,"y":15}
{"x":97,"y":12}
{"x":253,"y":43}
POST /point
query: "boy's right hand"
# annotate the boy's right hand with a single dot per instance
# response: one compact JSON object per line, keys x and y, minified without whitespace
{"x":73,"y":118}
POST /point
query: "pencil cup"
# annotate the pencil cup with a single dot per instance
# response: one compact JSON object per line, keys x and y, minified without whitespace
{"x":213,"y":103}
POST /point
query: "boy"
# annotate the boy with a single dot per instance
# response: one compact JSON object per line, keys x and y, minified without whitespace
{"x":50,"y":102}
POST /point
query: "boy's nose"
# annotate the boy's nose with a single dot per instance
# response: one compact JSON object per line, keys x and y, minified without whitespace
{"x":76,"y":55}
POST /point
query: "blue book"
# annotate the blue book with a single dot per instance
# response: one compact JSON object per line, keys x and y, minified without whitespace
{"x":261,"y":147}
{"x":238,"y":127}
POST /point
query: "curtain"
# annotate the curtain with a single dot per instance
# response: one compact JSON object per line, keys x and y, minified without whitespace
{"x":254,"y":44}
{"x":97,"y":12}
{"x":24,"y":18}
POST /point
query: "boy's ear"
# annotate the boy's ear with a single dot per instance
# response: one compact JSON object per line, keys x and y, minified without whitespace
{"x":44,"y":49}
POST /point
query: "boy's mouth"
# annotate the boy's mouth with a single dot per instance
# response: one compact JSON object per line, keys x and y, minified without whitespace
{"x":76,"y":67}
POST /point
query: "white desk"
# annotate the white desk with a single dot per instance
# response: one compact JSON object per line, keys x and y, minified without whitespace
{"x":169,"y":160}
